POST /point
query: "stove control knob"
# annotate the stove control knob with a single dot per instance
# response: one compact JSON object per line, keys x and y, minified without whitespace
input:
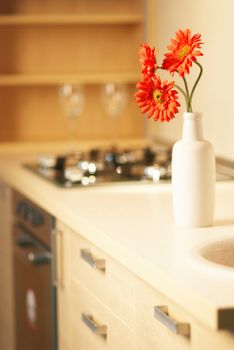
{"x":22,"y":209}
{"x":38,"y":218}
{"x":149,"y":156}
{"x":94,"y":154}
{"x":31,"y":216}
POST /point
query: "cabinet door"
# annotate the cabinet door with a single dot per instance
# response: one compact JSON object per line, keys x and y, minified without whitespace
{"x":171,"y":327}
{"x":111,"y":283}
{"x":62,"y":280}
{"x":155,"y":329}
{"x":94,"y":326}
{"x":6,"y":271}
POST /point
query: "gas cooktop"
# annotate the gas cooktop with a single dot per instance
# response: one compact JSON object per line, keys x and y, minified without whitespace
{"x":102,"y":166}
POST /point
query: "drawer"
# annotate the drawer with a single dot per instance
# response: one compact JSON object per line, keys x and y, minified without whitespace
{"x":155,"y":330}
{"x":158,"y":333}
{"x":205,"y":338}
{"x":93,"y":326}
{"x":111,"y":283}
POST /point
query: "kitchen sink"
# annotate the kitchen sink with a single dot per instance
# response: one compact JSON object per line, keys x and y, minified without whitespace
{"x":219,"y":252}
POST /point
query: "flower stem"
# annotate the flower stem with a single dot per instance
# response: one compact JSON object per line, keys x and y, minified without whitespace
{"x":195,"y":85}
{"x":188,"y":105}
{"x":185,"y":94}
{"x":182,"y":91}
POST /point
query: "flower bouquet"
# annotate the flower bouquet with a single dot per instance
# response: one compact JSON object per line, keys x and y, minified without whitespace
{"x":160,"y":98}
{"x":193,"y":161}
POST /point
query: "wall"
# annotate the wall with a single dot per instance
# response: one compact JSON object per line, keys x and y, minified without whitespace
{"x":214,"y":97}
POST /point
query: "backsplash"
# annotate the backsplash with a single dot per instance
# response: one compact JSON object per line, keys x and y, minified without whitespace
{"x":214,"y":94}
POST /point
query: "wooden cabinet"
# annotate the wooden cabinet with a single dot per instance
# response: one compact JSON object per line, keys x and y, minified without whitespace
{"x":66,"y":41}
{"x":96,"y":294}
{"x":94,"y":325}
{"x":172,"y":327}
{"x":93,"y":291}
{"x":6,"y":271}
{"x":108,"y":280}
{"x":160,"y":333}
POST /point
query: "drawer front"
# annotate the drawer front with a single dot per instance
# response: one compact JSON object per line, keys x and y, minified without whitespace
{"x":205,"y":338}
{"x":155,"y":329}
{"x":111,"y":283}
{"x":94,"y":326}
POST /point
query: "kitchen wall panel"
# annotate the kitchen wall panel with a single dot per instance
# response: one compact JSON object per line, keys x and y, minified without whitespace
{"x":214,"y":95}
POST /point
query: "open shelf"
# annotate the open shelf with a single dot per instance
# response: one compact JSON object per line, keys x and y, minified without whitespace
{"x":67,"y":41}
{"x":70,"y":19}
{"x":56,"y":79}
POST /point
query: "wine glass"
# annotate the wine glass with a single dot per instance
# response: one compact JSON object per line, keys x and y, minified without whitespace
{"x":114,"y":99}
{"x":71,"y":98}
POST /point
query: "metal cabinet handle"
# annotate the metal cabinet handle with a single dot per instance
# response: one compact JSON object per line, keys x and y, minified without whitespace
{"x":161,"y":314}
{"x":99,"y":264}
{"x":39,"y":258}
{"x":95,"y":328}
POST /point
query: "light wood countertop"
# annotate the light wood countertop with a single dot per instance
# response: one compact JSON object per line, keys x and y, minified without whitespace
{"x":134,"y":224}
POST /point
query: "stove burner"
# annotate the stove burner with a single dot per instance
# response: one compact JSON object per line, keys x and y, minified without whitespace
{"x":99,"y":166}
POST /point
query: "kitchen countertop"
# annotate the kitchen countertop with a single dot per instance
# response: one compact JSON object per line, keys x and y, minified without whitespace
{"x":134,"y":225}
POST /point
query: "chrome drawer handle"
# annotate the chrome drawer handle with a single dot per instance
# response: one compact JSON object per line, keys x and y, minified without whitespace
{"x":95,"y":328}
{"x":99,"y":264}
{"x":161,"y":314}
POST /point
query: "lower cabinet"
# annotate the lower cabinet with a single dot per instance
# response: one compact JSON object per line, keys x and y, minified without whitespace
{"x":163,"y":325}
{"x":160,"y":324}
{"x":7,"y":338}
{"x":102,"y":305}
{"x":91,"y":296}
{"x":94,"y":326}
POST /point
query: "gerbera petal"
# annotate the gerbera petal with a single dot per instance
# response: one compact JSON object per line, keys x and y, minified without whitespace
{"x":183,"y":51}
{"x":147,"y":59}
{"x":157,"y":98}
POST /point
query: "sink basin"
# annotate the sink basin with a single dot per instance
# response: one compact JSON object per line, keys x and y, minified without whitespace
{"x":220,"y":253}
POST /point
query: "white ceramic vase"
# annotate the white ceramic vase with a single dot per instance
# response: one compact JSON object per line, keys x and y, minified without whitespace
{"x":193,"y":175}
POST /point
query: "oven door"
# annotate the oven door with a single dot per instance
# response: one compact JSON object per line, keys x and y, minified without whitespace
{"x":33,"y":292}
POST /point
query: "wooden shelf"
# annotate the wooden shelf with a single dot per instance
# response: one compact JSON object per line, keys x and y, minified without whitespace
{"x":70,"y":19}
{"x":56,"y":79}
{"x":78,"y":42}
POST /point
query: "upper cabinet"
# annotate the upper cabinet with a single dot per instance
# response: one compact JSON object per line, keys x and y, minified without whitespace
{"x":67,"y":41}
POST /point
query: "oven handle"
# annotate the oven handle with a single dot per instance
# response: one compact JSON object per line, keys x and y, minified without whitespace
{"x":23,"y":239}
{"x":40,"y":258}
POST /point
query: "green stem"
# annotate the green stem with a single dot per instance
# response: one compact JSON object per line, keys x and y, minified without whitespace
{"x":195,"y":85}
{"x":189,"y":107}
{"x":182,"y":91}
{"x":185,"y":94}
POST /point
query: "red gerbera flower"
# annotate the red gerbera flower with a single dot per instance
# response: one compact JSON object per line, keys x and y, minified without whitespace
{"x":184,"y":51}
{"x":147,"y":59}
{"x":157,"y":98}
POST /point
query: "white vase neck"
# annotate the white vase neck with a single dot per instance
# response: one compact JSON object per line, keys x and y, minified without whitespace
{"x":192,"y":127}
